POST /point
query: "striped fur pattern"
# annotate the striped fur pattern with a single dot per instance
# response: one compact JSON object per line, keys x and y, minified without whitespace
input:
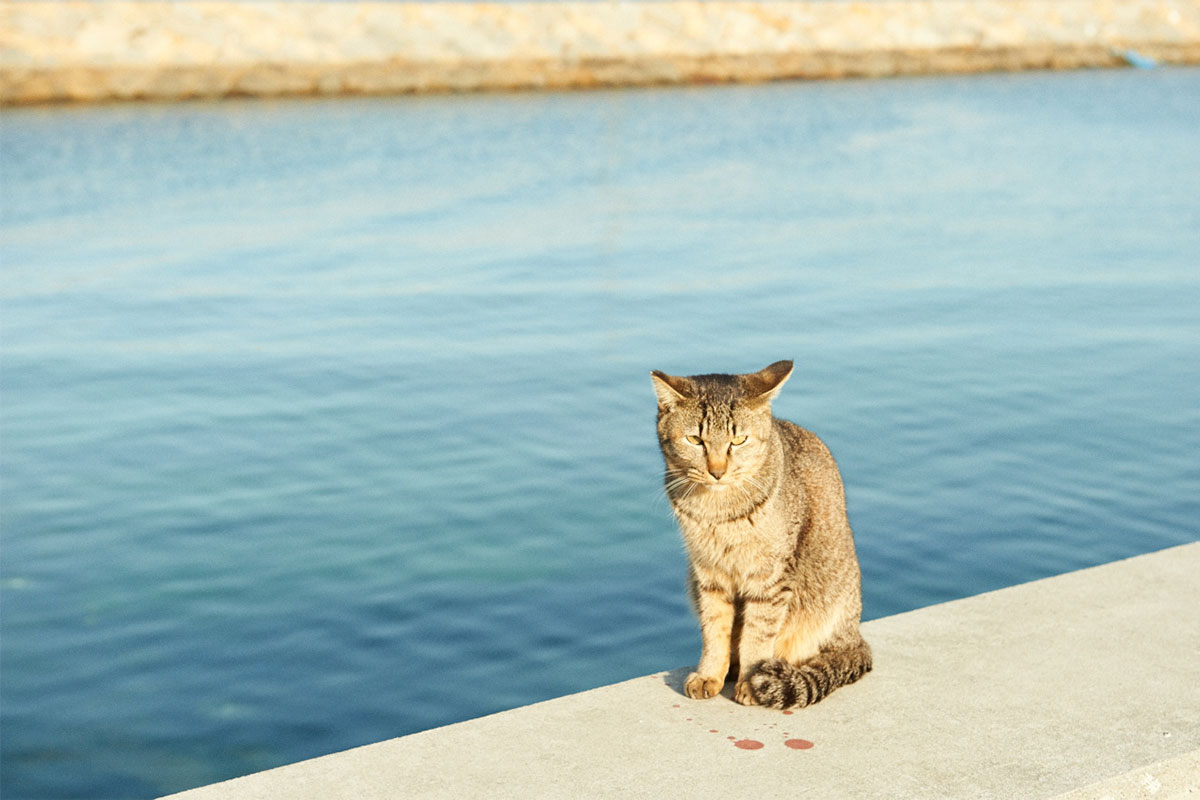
{"x":773,"y":574}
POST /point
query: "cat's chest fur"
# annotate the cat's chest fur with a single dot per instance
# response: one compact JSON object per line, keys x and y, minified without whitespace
{"x":742,"y":552}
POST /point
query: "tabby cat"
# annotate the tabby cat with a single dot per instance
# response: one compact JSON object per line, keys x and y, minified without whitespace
{"x":772,"y":570}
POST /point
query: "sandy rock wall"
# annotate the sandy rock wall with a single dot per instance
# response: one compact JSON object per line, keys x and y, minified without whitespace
{"x":63,"y":51}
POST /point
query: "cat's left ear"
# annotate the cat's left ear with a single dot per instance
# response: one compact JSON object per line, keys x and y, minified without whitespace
{"x":670,"y":389}
{"x":765,"y":384}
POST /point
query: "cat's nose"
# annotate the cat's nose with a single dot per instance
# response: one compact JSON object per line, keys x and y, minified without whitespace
{"x":716,"y":472}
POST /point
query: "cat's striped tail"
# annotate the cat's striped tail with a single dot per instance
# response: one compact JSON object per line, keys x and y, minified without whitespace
{"x":776,"y":683}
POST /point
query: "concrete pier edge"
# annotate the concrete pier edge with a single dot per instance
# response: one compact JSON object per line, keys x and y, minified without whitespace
{"x":155,"y":50}
{"x":1082,"y":685}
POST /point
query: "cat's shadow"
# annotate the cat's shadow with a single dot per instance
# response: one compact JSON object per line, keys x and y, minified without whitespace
{"x":676,"y":678}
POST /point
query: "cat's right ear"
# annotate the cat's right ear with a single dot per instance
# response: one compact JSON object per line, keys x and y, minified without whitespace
{"x":670,"y":388}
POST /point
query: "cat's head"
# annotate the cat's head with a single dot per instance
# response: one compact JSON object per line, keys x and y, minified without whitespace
{"x":715,"y":430}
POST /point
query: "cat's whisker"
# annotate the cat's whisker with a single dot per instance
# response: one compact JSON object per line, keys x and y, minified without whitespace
{"x":758,"y":485}
{"x":674,"y":488}
{"x":678,"y":484}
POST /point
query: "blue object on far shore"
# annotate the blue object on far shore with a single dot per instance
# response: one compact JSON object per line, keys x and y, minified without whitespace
{"x":1136,"y":59}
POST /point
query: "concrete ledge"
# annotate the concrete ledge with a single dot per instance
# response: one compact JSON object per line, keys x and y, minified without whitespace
{"x":1173,"y":779}
{"x":61,"y":51}
{"x":1083,"y":683}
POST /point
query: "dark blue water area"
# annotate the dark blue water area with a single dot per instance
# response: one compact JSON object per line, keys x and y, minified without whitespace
{"x":324,"y":422}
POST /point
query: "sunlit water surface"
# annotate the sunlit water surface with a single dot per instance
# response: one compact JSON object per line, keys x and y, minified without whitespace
{"x":327,"y":422}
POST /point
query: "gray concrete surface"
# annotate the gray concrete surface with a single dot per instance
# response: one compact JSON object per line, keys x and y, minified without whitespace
{"x":1086,"y":683}
{"x":1174,"y":779}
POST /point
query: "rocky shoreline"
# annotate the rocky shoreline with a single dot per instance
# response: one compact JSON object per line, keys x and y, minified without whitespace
{"x":101,"y":51}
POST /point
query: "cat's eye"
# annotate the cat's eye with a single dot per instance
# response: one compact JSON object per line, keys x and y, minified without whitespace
{"x":737,"y":440}
{"x":693,"y":439}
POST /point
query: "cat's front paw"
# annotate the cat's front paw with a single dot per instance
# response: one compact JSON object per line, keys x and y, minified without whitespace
{"x":743,"y":694}
{"x":699,"y":687}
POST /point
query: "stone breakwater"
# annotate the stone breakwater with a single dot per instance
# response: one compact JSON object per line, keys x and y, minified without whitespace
{"x":73,"y":51}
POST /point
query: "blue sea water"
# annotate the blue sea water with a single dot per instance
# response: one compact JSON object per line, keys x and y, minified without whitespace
{"x":323,"y":422}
